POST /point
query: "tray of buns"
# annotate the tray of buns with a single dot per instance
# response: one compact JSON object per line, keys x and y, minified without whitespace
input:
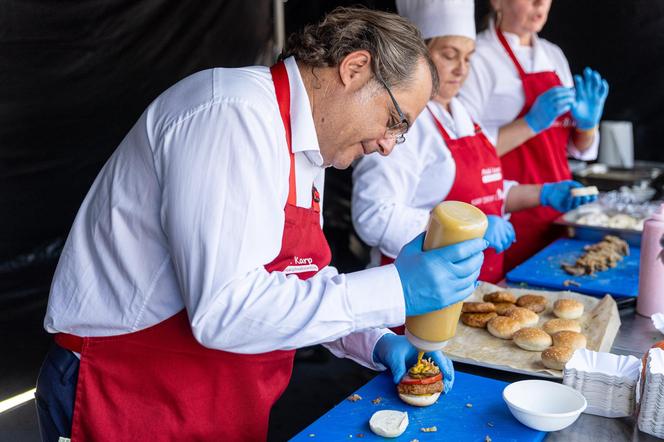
{"x":531,"y":332}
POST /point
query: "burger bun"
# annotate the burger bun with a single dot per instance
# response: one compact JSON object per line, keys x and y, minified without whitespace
{"x":419,"y":400}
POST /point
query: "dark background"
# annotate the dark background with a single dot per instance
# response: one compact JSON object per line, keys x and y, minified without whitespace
{"x":75,"y":76}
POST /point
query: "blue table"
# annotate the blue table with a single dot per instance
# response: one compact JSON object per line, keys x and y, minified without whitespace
{"x":486,"y":415}
{"x":543,"y":270}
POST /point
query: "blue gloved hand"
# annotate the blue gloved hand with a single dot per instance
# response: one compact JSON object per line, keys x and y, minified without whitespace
{"x":591,"y":93}
{"x":500,"y":233}
{"x":437,"y":278}
{"x":558,"y":196}
{"x":549,"y":106}
{"x":397,"y":354}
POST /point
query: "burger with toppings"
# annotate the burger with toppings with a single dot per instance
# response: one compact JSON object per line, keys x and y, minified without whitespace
{"x":422,"y":385}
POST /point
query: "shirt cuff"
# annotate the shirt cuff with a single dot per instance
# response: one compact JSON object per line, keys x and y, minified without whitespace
{"x":589,"y":154}
{"x":507,"y":186}
{"x":359,"y":347}
{"x":376,"y":297}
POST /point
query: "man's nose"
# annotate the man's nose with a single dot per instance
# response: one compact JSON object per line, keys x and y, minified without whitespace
{"x":386,"y":145}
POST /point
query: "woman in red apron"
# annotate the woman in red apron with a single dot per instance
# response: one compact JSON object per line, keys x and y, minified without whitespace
{"x":552,"y":120}
{"x":446,"y":156}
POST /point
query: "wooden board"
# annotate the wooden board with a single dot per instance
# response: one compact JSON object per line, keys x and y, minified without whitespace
{"x":600,"y":323}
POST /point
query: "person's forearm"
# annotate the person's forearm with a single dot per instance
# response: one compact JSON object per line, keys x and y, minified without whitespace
{"x":523,"y":196}
{"x":583,"y":139}
{"x":513,"y":135}
{"x":261,"y":311}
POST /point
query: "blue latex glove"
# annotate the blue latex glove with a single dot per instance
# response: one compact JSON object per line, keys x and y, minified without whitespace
{"x":397,"y":354}
{"x":437,"y":278}
{"x":558,"y":196}
{"x":549,"y":106}
{"x":591,"y":93}
{"x":500,"y":233}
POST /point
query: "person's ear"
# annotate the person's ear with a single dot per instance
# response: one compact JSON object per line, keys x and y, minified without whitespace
{"x":355,"y":70}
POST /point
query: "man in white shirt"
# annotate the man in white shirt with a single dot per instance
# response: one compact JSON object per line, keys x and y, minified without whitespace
{"x":197,"y":263}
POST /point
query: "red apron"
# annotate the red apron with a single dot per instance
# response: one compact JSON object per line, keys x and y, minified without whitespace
{"x":161,"y":384}
{"x":478,"y":182}
{"x":541,"y":159}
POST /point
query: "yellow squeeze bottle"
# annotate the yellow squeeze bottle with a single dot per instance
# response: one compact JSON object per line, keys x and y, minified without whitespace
{"x":450,"y":222}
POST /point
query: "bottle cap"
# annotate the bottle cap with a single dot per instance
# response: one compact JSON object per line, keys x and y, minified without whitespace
{"x":423,"y":345}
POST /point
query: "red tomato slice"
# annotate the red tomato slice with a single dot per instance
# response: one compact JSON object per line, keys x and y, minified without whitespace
{"x":407,"y":380}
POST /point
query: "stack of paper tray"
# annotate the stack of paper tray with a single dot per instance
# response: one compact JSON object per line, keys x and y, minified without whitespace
{"x":608,"y":382}
{"x":651,"y":412}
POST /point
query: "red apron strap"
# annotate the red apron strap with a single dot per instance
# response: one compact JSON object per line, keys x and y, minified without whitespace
{"x":441,"y":129}
{"x":503,"y":41}
{"x":443,"y":132}
{"x":282,"y":91}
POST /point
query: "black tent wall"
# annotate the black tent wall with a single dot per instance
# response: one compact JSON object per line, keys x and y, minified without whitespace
{"x":74,"y":77}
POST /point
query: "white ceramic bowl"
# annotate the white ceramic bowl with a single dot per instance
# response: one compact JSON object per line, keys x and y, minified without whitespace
{"x":544,"y":405}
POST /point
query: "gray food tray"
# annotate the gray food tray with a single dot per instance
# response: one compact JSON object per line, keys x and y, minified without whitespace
{"x":596,"y":233}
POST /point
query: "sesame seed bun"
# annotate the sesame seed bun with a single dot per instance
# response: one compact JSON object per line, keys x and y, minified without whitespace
{"x":568,"y":309}
{"x":557,"y":356}
{"x":525,"y":317}
{"x":532,"y":339}
{"x":503,"y":327}
{"x":553,"y":326}
{"x":570,"y":339}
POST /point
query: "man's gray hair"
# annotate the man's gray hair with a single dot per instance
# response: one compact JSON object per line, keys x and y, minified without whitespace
{"x":395,"y":44}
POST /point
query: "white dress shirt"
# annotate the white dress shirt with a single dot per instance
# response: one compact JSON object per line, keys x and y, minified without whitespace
{"x":493,"y":92}
{"x":189,"y":209}
{"x":392,"y":196}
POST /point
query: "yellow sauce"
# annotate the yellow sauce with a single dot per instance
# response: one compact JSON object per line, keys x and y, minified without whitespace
{"x":424,"y":367}
{"x":450,"y":222}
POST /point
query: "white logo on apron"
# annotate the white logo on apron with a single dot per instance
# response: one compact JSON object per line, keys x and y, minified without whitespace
{"x":302,"y":265}
{"x":491,"y":175}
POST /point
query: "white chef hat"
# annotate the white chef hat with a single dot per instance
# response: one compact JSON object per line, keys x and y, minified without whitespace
{"x":438,"y":18}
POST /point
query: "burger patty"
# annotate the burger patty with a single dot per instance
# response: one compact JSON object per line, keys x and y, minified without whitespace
{"x":436,"y":387}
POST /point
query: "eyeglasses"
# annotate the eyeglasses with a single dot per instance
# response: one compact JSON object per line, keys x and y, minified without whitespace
{"x":397,"y":131}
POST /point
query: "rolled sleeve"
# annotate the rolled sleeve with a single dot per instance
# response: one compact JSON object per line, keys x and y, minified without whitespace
{"x":589,"y":154}
{"x":507,"y":186}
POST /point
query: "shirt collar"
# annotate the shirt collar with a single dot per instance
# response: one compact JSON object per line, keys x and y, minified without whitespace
{"x":459,"y":122}
{"x":540,"y":61}
{"x":304,"y":138}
